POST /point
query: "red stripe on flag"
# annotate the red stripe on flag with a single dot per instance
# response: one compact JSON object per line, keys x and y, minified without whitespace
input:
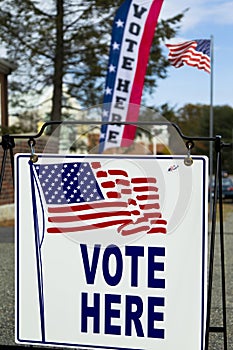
{"x":147,"y":197}
{"x":132,"y":201}
{"x":101,"y":173}
{"x":145,"y":188}
{"x":81,"y":207}
{"x":149,"y":206}
{"x":126,"y":191}
{"x":159,"y":222}
{"x":118,"y":172}
{"x":86,"y":227}
{"x":122,"y":182}
{"x":135,"y":230}
{"x":108,"y":184}
{"x":91,"y":216}
{"x":96,"y":165}
{"x":112,"y":195}
{"x":157,"y":230}
{"x":140,"y":180}
{"x":152,"y":215}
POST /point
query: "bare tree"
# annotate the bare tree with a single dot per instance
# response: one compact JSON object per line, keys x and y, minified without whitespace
{"x":66,"y":42}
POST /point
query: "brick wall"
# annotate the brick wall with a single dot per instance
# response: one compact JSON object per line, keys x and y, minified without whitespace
{"x":21,"y":146}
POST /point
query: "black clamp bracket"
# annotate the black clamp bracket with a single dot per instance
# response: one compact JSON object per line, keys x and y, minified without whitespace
{"x":8,"y":143}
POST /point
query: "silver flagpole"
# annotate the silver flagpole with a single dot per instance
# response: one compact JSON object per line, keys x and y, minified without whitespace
{"x":211,"y":121}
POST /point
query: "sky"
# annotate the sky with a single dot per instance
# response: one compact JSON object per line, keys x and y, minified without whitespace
{"x":203,"y":19}
{"x":189,"y":84}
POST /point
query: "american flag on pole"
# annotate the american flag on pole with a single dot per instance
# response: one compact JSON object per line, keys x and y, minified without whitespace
{"x":195,"y":53}
{"x":81,"y":196}
{"x":132,"y":34}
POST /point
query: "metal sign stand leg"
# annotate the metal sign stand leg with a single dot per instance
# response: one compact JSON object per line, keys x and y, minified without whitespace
{"x":217,"y":193}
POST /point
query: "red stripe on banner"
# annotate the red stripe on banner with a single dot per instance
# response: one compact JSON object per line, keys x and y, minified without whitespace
{"x":143,"y":54}
{"x":130,"y":130}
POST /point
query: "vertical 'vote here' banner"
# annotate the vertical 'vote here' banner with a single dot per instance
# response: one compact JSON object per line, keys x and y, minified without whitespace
{"x":132,"y":34}
{"x":111,"y":252}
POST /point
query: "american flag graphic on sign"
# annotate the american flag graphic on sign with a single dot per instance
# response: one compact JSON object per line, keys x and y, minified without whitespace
{"x":82,"y":196}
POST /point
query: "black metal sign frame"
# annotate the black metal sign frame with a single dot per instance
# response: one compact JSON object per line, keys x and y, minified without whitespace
{"x":8,"y":144}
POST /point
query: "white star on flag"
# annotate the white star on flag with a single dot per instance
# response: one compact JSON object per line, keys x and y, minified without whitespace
{"x":112,"y":68}
{"x":108,"y":91}
{"x":105,"y":113}
{"x":102,"y":135}
{"x":115,"y":46}
{"x":120,"y":23}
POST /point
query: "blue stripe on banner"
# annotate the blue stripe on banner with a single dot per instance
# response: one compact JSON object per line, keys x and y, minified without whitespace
{"x":116,"y":43}
{"x":117,"y":36}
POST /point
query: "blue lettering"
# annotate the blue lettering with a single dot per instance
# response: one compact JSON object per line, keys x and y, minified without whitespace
{"x":90,"y":271}
{"x":155,"y":266}
{"x":155,"y":316}
{"x":115,"y":251}
{"x":112,"y":313}
{"x":134,"y":252}
{"x":90,"y":311}
{"x":133,"y":316}
{"x":129,"y":323}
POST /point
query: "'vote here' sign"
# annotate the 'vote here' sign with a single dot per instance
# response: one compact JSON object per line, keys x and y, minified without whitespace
{"x":111,"y":251}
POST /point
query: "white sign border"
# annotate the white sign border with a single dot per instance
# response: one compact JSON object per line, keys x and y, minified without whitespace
{"x":17,"y":216}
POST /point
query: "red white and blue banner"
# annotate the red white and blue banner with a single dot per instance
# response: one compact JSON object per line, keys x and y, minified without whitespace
{"x":111,"y":251}
{"x":132,"y":34}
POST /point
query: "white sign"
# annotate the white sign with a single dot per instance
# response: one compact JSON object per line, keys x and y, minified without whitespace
{"x":111,"y":251}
